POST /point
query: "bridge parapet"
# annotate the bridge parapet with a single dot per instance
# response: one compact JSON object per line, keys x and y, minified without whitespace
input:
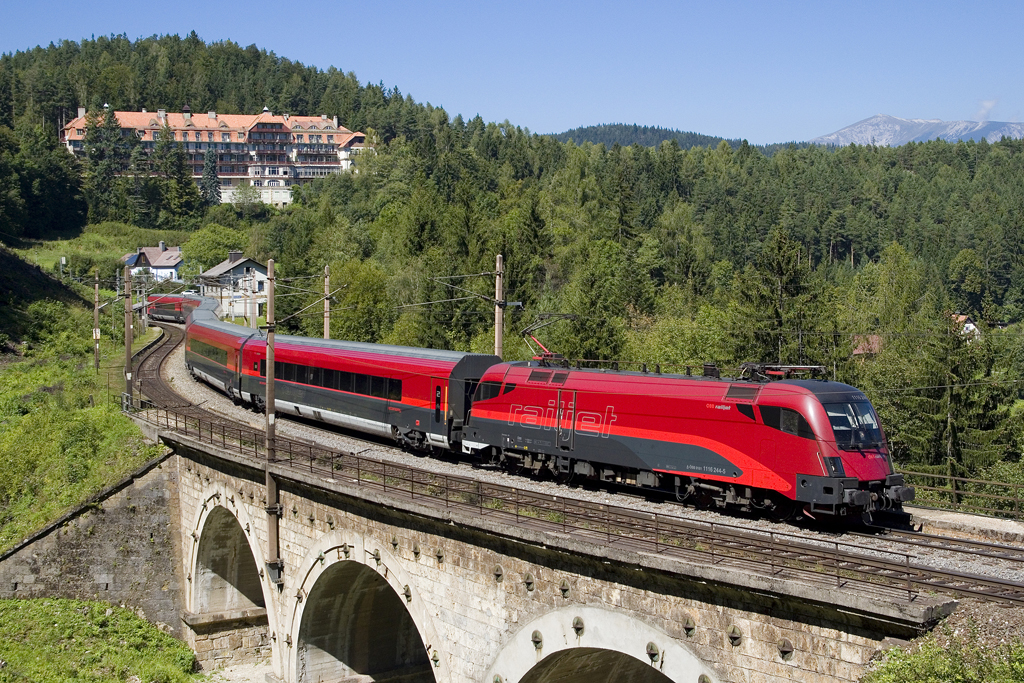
{"x":477,"y":569}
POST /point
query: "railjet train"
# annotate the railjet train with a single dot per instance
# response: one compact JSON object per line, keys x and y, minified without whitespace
{"x":784,"y":447}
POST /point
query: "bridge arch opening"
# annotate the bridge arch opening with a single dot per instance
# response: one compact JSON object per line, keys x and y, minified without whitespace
{"x":593,"y":665}
{"x":595,"y":644}
{"x":355,"y":627}
{"x":226,"y":575}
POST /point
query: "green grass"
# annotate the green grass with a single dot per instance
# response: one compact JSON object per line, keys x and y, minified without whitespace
{"x":75,"y":641}
{"x":61,"y":439}
{"x":103,"y":244}
{"x":962,"y":657}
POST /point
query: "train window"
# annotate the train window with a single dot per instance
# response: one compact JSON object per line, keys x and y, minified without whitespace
{"x":360,"y":383}
{"x":316,"y":377}
{"x":209,"y":351}
{"x":395,"y":389}
{"x":328,"y":379}
{"x":509,"y":387}
{"x":284,"y":371}
{"x":344,"y":381}
{"x":787,"y":420}
{"x":378,"y":387}
{"x":487,"y":390}
{"x":559,"y":377}
{"x":539,"y":376}
{"x":263,"y":367}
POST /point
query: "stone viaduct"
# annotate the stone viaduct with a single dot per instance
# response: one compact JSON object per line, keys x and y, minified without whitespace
{"x":377,"y":587}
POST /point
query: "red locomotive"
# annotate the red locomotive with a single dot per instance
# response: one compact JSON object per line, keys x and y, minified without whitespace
{"x":751,"y":444}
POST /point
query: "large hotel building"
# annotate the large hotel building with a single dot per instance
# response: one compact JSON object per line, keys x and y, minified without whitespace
{"x":270,"y":152}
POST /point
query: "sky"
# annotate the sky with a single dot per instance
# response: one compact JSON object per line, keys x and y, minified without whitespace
{"x":760,"y":70}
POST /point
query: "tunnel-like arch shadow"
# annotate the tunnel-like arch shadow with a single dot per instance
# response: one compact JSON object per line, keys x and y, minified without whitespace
{"x":593,"y":665}
{"x":227,"y":577}
{"x":355,"y":627}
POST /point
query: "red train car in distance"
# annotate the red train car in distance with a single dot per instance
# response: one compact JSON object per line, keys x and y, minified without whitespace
{"x":777,"y":446}
{"x":172,"y":308}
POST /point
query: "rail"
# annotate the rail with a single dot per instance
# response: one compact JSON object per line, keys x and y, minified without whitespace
{"x":828,"y":564}
{"x":961,"y":494}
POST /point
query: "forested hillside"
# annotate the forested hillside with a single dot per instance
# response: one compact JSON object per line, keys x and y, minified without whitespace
{"x":611,"y":134}
{"x":658,"y":254}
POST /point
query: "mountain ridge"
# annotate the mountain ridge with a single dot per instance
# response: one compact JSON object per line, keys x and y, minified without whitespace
{"x":892,"y":131}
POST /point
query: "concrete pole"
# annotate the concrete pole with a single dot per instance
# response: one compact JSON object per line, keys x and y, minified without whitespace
{"x":96,"y":320}
{"x":499,"y":309}
{"x":254,"y":308}
{"x":327,"y":302}
{"x":274,"y":564}
{"x":128,"y":333}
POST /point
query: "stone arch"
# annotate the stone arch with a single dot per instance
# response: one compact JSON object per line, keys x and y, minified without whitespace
{"x":226,"y":558}
{"x":593,"y":665}
{"x":609,"y":637}
{"x":352,"y":617}
{"x":226,"y":576}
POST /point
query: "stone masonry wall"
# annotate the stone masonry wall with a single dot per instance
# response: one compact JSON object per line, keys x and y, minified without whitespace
{"x":471,"y":619}
{"x":123,"y":548}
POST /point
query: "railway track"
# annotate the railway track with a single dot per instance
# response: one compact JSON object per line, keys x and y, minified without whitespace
{"x":826,"y":563}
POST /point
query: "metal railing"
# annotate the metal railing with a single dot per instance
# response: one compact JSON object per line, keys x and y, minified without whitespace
{"x":829,"y":564}
{"x":960,"y":494}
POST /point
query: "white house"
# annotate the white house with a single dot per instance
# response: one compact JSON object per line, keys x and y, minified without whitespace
{"x":239,"y":284}
{"x":161,"y":261}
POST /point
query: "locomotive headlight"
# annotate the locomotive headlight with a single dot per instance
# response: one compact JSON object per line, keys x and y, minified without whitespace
{"x":835,"y":467}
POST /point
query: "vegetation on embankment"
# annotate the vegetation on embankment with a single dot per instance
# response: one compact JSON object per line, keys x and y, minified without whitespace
{"x":75,"y":641}
{"x":62,"y":437}
{"x":979,"y":643}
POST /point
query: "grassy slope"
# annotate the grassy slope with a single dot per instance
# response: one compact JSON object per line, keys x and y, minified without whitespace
{"x":20,"y":284}
{"x":61,"y":439}
{"x":73,"y":641}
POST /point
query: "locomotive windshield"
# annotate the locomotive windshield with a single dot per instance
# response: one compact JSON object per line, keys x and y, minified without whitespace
{"x":855,"y":425}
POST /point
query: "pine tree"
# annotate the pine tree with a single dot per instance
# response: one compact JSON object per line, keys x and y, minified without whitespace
{"x":209,"y":186}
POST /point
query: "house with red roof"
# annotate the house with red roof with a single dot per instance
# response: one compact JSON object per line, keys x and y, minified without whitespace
{"x":267,"y":151}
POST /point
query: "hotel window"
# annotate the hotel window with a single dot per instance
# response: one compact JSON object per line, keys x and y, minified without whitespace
{"x":255,"y":183}
{"x":273,"y":183}
{"x":156,"y":135}
{"x":298,"y":138}
{"x":330,"y":138}
{"x":224,"y":137}
{"x":80,"y":131}
{"x":209,"y":137}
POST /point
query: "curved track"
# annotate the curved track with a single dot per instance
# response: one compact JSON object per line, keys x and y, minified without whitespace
{"x":886,"y":572}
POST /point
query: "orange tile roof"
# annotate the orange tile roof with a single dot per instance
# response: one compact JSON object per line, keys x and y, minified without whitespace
{"x":201,"y":121}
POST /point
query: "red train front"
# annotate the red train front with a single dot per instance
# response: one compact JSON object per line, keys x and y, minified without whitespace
{"x":777,"y":446}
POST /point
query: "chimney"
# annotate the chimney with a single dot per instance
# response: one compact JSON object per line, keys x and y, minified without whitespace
{"x":81,"y":112}
{"x":335,"y":121}
{"x":186,"y":111}
{"x":144,"y":110}
{"x":163,"y":245}
{"x":234,"y":256}
{"x":286,"y":117}
{"x":323,"y":117}
{"x":211,"y":114}
{"x":161,"y":114}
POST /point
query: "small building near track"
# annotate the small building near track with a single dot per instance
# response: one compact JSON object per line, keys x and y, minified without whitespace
{"x":239,"y":284}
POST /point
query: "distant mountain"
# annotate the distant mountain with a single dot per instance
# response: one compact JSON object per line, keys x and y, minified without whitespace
{"x":891,"y":131}
{"x":610,"y":134}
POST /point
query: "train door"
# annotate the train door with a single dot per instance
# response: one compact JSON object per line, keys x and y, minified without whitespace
{"x":566,"y":418}
{"x":439,"y":415}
